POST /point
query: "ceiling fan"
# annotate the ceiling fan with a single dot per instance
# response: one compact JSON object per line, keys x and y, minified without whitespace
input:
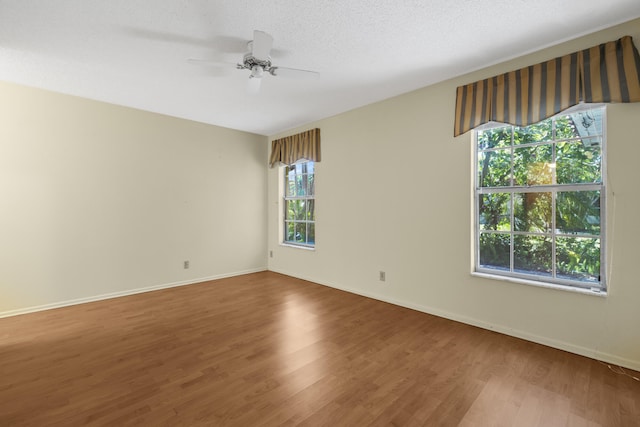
{"x":258,"y":61}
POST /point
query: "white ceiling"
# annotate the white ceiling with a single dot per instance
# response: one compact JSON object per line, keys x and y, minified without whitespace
{"x":134,"y":52}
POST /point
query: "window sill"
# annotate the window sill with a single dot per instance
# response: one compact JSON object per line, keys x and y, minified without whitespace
{"x":306,"y":248}
{"x":540,"y":284}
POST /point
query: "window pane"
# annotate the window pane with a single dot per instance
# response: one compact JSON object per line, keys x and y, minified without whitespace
{"x":290,"y":231}
{"x":533,"y":165}
{"x":301,"y":185}
{"x":290,"y":182}
{"x":579,"y":161}
{"x":311,"y":186}
{"x":532,"y":254}
{"x":301,"y":212}
{"x":578,"y":212}
{"x":538,"y":132}
{"x":301,"y":232}
{"x":587,"y":123}
{"x":495,"y":211}
{"x":565,"y":128}
{"x":495,"y":251}
{"x":494,"y":168}
{"x":532,"y":212}
{"x":290,"y":210}
{"x":578,"y":258}
{"x":311,"y":235}
{"x":493,"y":138}
{"x":295,"y":210}
{"x":311,"y":210}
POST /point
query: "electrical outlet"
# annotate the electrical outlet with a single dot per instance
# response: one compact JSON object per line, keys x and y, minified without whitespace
{"x":186,"y":265}
{"x":383,"y":276}
{"x":270,"y":254}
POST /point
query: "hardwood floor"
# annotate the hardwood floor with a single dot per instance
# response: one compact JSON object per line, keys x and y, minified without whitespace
{"x":267,"y":349}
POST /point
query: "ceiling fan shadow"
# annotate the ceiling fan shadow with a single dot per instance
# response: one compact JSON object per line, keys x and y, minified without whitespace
{"x":217,"y":43}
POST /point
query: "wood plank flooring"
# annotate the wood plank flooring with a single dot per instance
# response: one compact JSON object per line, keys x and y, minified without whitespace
{"x":267,"y":349}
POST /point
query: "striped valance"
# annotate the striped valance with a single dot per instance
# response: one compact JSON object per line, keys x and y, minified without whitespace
{"x":609,"y":72}
{"x":290,"y":149}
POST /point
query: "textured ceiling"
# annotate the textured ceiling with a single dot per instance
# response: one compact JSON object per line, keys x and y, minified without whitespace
{"x":134,"y":52}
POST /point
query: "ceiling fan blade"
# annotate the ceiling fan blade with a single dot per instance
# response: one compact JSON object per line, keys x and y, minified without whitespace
{"x":200,"y":61}
{"x":294,"y":73}
{"x":213,"y":67}
{"x":261,"y":45}
{"x":253,"y":85}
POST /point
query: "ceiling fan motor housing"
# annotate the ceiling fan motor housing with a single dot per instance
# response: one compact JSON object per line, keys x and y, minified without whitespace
{"x":258,"y":60}
{"x":255,"y":65}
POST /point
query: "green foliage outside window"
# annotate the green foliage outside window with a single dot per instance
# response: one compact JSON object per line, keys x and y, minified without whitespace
{"x":299,"y":204}
{"x":538,"y":199}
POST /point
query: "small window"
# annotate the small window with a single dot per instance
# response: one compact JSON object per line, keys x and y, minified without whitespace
{"x":299,"y":204}
{"x":539,"y":200}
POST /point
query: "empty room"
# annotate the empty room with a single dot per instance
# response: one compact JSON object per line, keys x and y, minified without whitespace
{"x":244,"y":213}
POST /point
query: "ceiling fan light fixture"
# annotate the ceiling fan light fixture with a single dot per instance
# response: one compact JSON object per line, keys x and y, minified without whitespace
{"x":257,"y":71}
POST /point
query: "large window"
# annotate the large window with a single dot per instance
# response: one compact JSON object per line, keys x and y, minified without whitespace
{"x":299,"y":204}
{"x":539,"y":200}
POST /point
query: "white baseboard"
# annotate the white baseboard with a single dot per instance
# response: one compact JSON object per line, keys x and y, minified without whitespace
{"x":560,"y":345}
{"x":122,"y":293}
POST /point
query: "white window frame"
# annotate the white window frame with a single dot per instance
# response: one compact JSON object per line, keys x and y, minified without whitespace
{"x":286,"y":198}
{"x":600,"y":287}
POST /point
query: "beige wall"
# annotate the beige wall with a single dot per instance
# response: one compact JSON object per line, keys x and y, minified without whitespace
{"x":97,"y":200}
{"x":394,"y":193}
